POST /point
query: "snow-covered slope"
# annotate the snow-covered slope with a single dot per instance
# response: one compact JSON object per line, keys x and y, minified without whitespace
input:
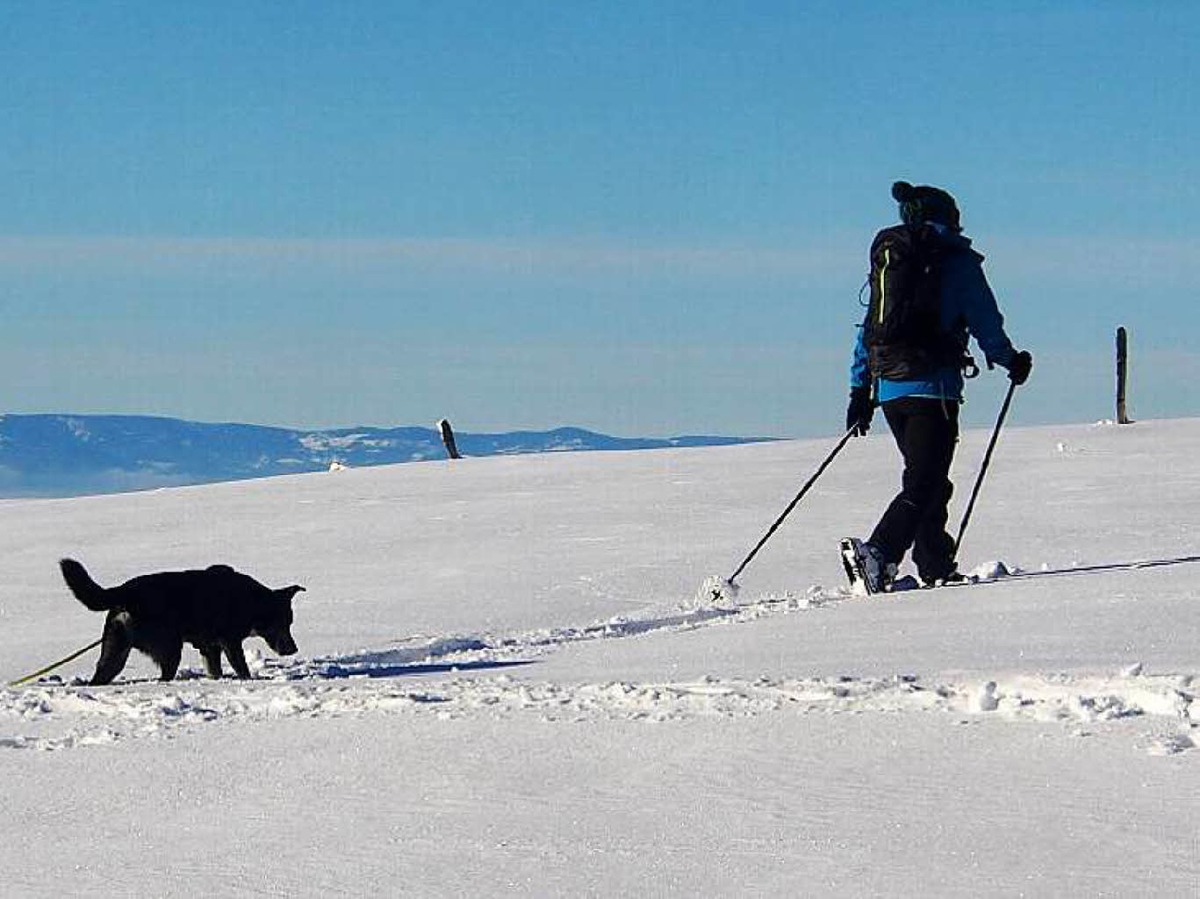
{"x":508,"y":685}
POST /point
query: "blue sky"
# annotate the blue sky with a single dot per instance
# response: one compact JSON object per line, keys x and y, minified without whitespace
{"x":644,"y":218}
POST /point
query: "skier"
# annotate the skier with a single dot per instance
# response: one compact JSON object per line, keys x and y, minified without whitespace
{"x":917,"y":379}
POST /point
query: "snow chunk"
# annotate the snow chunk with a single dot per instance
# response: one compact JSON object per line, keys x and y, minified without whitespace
{"x":1172,"y":744}
{"x":985,"y":700}
{"x":989,"y":571}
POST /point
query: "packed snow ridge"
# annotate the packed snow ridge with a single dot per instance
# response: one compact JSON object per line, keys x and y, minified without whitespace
{"x":485,"y":679}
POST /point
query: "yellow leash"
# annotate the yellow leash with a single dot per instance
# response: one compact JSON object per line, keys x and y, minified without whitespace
{"x":27,"y":678}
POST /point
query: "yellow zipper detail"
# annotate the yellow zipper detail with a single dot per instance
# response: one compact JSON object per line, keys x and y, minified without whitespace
{"x":887,"y":259}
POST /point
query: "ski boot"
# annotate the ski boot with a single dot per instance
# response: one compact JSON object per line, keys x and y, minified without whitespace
{"x":866,"y":568}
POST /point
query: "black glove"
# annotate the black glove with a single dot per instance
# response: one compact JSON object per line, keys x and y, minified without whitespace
{"x":1019,"y":367}
{"x":860,"y":410}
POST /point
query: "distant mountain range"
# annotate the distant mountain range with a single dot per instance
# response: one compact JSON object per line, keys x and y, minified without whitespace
{"x":69,"y":455}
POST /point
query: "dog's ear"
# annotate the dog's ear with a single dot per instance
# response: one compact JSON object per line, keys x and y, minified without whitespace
{"x":286,"y":593}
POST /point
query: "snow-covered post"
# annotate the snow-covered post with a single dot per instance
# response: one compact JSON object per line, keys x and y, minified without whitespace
{"x":1122,"y":370}
{"x":448,"y":439}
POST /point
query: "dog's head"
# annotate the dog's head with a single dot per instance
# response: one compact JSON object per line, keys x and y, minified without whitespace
{"x":275,"y":624}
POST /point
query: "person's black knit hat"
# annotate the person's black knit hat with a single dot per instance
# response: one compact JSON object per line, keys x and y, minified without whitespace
{"x":923,"y":203}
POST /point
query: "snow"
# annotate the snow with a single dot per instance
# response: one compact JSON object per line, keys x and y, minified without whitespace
{"x":513,"y":680}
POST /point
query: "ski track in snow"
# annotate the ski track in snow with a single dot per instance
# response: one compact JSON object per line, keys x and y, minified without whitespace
{"x":57,"y":715}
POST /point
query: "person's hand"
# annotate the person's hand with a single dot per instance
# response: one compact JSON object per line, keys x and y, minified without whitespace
{"x":860,"y":410}
{"x":1019,"y":367}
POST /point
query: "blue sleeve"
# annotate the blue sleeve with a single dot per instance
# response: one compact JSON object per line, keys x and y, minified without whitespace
{"x":964,"y":279}
{"x":860,"y":375}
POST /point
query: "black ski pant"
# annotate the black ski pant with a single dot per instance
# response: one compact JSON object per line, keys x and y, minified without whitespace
{"x":926,"y":431}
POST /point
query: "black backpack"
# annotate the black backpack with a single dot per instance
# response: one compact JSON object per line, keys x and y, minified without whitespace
{"x":902,"y":330}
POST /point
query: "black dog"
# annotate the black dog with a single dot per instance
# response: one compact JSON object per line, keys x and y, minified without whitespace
{"x":214,"y":610}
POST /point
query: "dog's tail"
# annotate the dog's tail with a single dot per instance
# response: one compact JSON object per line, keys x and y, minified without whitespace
{"x":85,"y":589}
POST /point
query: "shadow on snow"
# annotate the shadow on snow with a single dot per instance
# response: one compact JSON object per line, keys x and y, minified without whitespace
{"x":1098,"y":568}
{"x":334,"y":671}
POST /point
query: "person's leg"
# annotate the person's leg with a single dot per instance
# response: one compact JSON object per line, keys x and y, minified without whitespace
{"x":933,"y":547}
{"x":925,"y":431}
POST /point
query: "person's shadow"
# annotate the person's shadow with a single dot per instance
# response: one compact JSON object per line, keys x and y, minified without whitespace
{"x":334,"y":671}
{"x":432,"y":657}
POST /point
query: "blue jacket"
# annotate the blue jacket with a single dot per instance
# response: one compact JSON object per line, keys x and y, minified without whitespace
{"x":968,"y":307}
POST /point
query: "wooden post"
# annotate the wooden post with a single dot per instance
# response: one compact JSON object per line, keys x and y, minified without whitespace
{"x":448,"y":439}
{"x":1122,"y":371}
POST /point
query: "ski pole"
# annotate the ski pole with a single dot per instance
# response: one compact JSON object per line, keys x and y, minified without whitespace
{"x":786,"y":512}
{"x":987,"y":458}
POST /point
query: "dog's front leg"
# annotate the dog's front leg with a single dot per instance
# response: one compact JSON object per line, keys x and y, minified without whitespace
{"x":237,"y":660}
{"x":212,"y":660}
{"x":168,"y":660}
